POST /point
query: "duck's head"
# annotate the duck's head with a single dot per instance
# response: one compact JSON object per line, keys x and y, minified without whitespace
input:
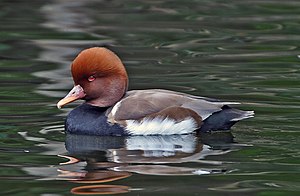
{"x":99,"y":78}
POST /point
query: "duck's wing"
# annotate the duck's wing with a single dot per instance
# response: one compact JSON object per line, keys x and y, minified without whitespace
{"x":141,"y":103}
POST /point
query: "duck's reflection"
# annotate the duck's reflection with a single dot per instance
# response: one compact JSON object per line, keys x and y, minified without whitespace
{"x":102,"y":159}
{"x":152,"y":155}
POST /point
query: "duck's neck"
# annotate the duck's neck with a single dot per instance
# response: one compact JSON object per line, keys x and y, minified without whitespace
{"x":112,"y":92}
{"x":105,"y":102}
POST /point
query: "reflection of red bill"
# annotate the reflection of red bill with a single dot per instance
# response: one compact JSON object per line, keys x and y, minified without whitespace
{"x":102,"y":176}
{"x":92,"y":176}
{"x":100,"y":189}
{"x":71,"y":160}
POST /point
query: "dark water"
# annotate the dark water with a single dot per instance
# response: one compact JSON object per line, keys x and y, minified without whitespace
{"x":244,"y":51}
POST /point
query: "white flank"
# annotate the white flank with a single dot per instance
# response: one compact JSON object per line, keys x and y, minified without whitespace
{"x":160,"y":126}
{"x":245,"y":115}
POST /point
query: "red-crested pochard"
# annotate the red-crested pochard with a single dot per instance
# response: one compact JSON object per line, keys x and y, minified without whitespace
{"x":101,"y":80}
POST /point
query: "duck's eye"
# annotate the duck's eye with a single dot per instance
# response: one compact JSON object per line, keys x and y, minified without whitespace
{"x":91,"y":78}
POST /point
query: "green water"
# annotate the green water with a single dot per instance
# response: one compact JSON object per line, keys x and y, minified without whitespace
{"x":245,"y":51}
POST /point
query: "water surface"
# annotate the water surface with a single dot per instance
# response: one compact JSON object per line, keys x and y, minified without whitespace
{"x":245,"y":51}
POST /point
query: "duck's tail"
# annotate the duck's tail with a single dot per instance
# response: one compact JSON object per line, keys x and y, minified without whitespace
{"x":225,"y":119}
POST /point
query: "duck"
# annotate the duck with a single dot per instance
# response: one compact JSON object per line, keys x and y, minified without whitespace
{"x":109,"y":108}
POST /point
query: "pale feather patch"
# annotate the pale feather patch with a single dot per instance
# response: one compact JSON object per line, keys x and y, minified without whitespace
{"x":206,"y":108}
{"x":160,"y":126}
{"x":111,"y":114}
{"x":115,"y":108}
{"x":245,"y":115}
{"x":225,"y":103}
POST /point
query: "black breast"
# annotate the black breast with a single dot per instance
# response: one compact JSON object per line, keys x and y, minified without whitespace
{"x":91,"y":120}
